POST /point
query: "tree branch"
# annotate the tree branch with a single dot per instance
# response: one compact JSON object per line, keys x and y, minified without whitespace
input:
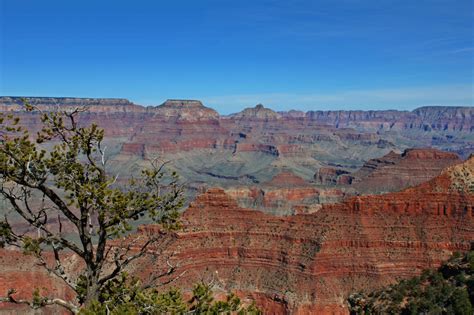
{"x":43,"y":301}
{"x":51,"y":236}
{"x":120,"y":265}
{"x":59,"y":202}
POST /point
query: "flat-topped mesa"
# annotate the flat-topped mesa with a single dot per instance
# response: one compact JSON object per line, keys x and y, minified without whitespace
{"x":8,"y":103}
{"x":175,"y":103}
{"x":348,"y":118}
{"x":185,"y":110}
{"x":287,"y":179}
{"x":258,"y":112}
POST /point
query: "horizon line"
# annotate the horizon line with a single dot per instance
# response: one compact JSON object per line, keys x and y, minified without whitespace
{"x":244,"y":108}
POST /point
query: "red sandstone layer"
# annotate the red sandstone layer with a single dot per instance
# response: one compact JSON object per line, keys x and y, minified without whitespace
{"x":305,"y":263}
{"x":313,"y":261}
{"x":397,"y":171}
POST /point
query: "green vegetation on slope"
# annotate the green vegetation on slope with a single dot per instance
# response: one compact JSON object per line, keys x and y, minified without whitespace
{"x":125,"y":296}
{"x":448,"y":290}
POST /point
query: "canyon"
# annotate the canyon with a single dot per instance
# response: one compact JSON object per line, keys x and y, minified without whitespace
{"x":293,"y":210}
{"x":257,"y":144}
{"x":310,"y":263}
{"x":306,"y":263}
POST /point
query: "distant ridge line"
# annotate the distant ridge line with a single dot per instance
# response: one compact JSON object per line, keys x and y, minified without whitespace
{"x":8,"y":100}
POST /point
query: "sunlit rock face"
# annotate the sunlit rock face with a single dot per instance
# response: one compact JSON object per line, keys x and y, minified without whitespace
{"x":304,"y":263}
{"x":217,"y":149}
{"x":245,"y":151}
{"x":310,"y":262}
{"x":24,"y":274}
{"x":394,"y":172}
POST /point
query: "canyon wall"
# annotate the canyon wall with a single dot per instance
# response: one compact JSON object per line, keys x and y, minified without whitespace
{"x":302,"y":264}
{"x":394,"y":172}
{"x":426,"y":118}
{"x":310,"y":263}
{"x":253,"y":146}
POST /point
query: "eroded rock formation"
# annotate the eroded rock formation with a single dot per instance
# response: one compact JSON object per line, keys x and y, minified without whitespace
{"x":330,"y":176}
{"x":394,"y":172}
{"x":258,"y":143}
{"x":258,"y":112}
{"x":306,"y":263}
{"x":309,"y":263}
{"x":426,"y":118}
{"x":23,"y":273}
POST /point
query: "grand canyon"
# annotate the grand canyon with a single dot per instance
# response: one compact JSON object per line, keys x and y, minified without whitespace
{"x":254,"y":157}
{"x":294,"y":210}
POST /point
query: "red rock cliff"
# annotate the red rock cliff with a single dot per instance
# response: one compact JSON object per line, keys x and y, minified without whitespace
{"x":394,"y":172}
{"x":310,"y":263}
{"x":304,"y":264}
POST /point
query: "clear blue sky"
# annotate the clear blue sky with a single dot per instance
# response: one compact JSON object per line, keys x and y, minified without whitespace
{"x":233,"y":54}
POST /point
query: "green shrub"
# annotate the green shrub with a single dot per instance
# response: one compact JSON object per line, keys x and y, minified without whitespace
{"x":124,"y":296}
{"x":448,"y":290}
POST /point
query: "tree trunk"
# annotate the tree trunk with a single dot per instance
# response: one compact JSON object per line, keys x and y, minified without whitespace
{"x":92,"y":292}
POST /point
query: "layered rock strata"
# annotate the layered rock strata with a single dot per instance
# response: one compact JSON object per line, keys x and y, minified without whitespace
{"x":309,"y":263}
{"x":394,"y":172}
{"x":306,"y":263}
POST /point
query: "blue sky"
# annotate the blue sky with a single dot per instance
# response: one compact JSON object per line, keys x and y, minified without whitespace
{"x":234,"y":54}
